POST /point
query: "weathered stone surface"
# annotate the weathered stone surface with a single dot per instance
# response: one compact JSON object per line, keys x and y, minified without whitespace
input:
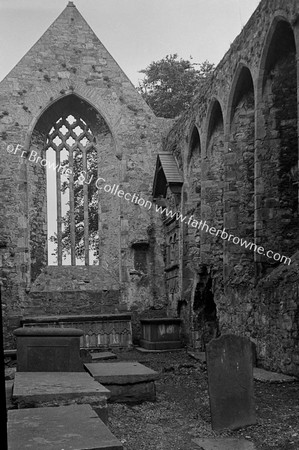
{"x":224,"y":444}
{"x":132,"y":393}
{"x":272,"y":377}
{"x":229,"y":363}
{"x":9,"y":373}
{"x":69,"y":63}
{"x":99,"y":330}
{"x":145,"y":350}
{"x":231,"y":151}
{"x":162,"y":333}
{"x":35,"y":389}
{"x":199,"y":356}
{"x":8,"y":394}
{"x":230,"y":148}
{"x":43,"y":349}
{"x":96,"y":356}
{"x":121,"y":372}
{"x":128,"y":382}
{"x":72,"y":427}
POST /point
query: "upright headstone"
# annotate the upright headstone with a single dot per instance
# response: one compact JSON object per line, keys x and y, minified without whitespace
{"x":230,"y":376}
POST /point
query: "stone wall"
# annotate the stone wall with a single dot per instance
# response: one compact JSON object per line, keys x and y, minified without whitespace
{"x":244,"y":178}
{"x":70,"y":67}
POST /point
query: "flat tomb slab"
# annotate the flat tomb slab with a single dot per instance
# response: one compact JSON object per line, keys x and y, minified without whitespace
{"x":169,"y":350}
{"x":224,"y":444}
{"x":272,"y":377}
{"x":122,"y":372}
{"x":128,"y":382}
{"x":42,"y":389}
{"x":73,"y":427}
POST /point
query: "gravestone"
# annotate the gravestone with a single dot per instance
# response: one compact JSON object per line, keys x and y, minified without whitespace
{"x":43,"y":349}
{"x":230,"y":377}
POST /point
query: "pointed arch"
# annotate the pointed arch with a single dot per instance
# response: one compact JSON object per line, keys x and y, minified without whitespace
{"x":67,"y":141}
{"x":214,"y":119}
{"x":239,"y":172}
{"x":279,"y":40}
{"x":212,"y":184}
{"x":79,"y":97}
{"x":242,"y":85}
{"x":194,"y":144}
{"x":193,"y":193}
{"x":194,"y":167}
{"x":277,"y":143}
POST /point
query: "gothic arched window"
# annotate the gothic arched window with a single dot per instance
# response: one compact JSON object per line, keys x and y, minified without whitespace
{"x":71,"y":152}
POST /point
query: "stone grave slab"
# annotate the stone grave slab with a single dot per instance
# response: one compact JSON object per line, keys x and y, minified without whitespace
{"x":73,"y":427}
{"x":42,"y":389}
{"x":172,"y":350}
{"x":102,"y":356}
{"x":128,"y":382}
{"x":230,"y":379}
{"x":43,"y":349}
{"x":224,"y":444}
{"x":272,"y":377}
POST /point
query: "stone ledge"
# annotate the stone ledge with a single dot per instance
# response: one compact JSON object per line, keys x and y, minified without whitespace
{"x":75,"y":317}
{"x":47,"y":331}
{"x":272,"y":377}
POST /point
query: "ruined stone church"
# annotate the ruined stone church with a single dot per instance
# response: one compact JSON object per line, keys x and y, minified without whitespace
{"x":83,"y":154}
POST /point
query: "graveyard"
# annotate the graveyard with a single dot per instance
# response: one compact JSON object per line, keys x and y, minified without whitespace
{"x":149,"y":266}
{"x":180,"y":417}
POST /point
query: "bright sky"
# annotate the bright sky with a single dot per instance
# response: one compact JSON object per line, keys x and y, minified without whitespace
{"x":135,"y":32}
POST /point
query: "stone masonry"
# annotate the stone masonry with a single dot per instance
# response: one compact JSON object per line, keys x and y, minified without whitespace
{"x":69,"y":71}
{"x":237,"y":150}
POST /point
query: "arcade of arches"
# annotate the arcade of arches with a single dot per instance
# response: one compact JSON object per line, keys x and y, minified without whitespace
{"x":231,"y":160}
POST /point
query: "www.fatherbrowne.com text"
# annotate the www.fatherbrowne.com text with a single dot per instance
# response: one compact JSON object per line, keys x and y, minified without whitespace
{"x":134,"y":198}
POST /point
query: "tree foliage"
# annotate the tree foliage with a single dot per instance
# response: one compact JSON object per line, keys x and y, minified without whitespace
{"x":170,"y":84}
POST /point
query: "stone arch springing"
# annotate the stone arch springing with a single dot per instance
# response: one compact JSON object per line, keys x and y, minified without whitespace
{"x":68,"y":138}
{"x":277,"y":151}
{"x":239,"y":172}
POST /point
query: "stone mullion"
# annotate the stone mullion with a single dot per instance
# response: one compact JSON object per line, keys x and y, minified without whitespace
{"x":59,"y":211}
{"x":72,"y":206}
{"x":85,"y":206}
